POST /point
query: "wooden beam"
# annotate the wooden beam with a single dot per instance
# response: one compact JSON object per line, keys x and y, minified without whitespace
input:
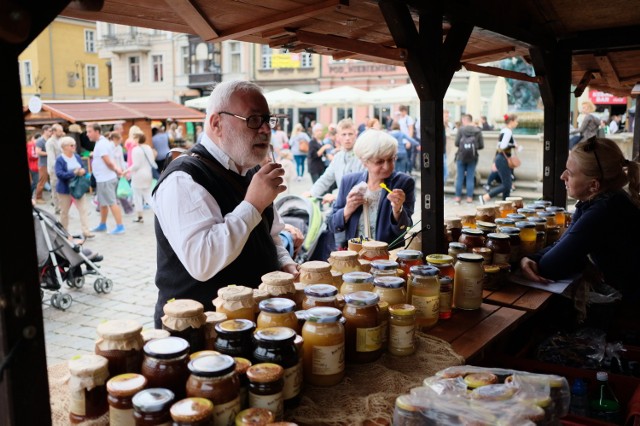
{"x":277,"y":20}
{"x":621,"y":38}
{"x":485,"y":53}
{"x":452,"y":50}
{"x":281,"y":32}
{"x":630,"y":79}
{"x":195,"y":17}
{"x":342,"y":55}
{"x":355,"y":46}
{"x":584,"y":82}
{"x":608,"y":72}
{"x":500,"y":72}
{"x":283,"y":41}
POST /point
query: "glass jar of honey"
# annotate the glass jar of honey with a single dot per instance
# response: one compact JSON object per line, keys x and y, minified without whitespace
{"x":402,"y":329}
{"x":446,"y":295}
{"x":559,"y":212}
{"x":454,"y":228}
{"x":255,"y":417}
{"x":472,"y":238}
{"x":528,"y":237}
{"x":356,"y":281}
{"x":121,"y":389}
{"x":505,"y":207}
{"x":549,"y":216}
{"x":500,"y":245}
{"x":165,"y":364}
{"x":485,"y":214}
{"x":443,"y":262}
{"x":455,"y":249}
{"x":87,"y":387}
{"x":121,"y":343}
{"x":151,"y":407}
{"x":214,"y":377}
{"x":236,"y":302}
{"x":408,"y":258}
{"x":424,"y":294}
{"x":540,"y":222}
{"x":324,"y":347}
{"x":527,"y":212}
{"x":210,"y":333}
{"x":553,"y":234}
{"x":485,"y":252}
{"x":516,"y":217}
{"x":192,"y":412}
{"x":266,"y":384}
{"x":344,"y":261}
{"x":319,"y":295}
{"x":235,"y":337}
{"x":373,"y":250}
{"x":504,"y":221}
{"x":362,"y":327}
{"x":518,"y":202}
{"x":277,"y":312}
{"x":491,"y":277}
{"x":390,"y":289}
{"x":467,"y":285}
{"x":278,"y":284}
{"x":315,"y":272}
{"x":468,"y":221}
{"x":384,"y":267}
{"x":543,"y":203}
{"x":383,"y":315}
{"x":185,"y":318}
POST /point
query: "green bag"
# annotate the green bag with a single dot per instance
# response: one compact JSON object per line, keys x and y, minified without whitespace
{"x":124,"y":188}
{"x":79,"y":186}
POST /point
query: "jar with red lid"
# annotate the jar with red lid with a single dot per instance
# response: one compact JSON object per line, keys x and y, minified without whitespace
{"x":121,"y":343}
{"x":235,"y":337}
{"x":151,"y":407}
{"x":185,"y":318}
{"x":472,"y":238}
{"x":192,"y":412}
{"x":372,"y":250}
{"x":277,"y":312}
{"x":408,"y":258}
{"x":500,"y":245}
{"x":87,"y":387}
{"x":121,"y":390}
{"x":165,"y":364}
{"x":319,"y":295}
{"x":363,"y":341}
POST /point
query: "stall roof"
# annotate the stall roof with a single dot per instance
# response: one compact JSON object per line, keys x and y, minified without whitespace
{"x":602,"y":36}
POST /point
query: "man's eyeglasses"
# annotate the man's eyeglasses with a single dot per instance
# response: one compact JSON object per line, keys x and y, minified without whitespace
{"x":590,"y":146}
{"x":256,"y":121}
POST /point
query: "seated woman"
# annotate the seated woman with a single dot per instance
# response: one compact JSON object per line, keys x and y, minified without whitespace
{"x":605,"y":228}
{"x":389,"y":213}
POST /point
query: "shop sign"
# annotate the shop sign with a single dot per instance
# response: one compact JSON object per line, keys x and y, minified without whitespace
{"x":598,"y":97}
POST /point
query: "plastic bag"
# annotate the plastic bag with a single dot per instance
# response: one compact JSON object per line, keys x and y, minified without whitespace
{"x":79,"y":186}
{"x":124,"y":188}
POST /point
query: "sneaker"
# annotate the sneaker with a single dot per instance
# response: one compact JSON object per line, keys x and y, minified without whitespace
{"x":138,"y":220}
{"x":481,"y":199}
{"x":100,"y":228}
{"x":119,"y":229}
{"x":486,"y":187}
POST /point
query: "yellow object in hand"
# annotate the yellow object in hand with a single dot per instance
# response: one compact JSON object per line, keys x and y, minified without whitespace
{"x":384,"y":186}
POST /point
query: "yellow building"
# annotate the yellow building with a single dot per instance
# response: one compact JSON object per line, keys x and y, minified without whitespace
{"x":63,"y":63}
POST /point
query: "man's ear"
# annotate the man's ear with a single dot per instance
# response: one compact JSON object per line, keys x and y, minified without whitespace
{"x":215,"y":123}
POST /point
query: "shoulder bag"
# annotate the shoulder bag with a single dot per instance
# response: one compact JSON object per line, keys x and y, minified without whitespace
{"x":155,"y":173}
{"x":513,"y":161}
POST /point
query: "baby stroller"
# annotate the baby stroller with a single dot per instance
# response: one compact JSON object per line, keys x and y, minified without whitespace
{"x":304,"y":214}
{"x":61,"y":258}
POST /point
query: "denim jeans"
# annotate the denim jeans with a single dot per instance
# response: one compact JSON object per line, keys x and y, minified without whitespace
{"x":470,"y":170}
{"x":505,"y":176}
{"x":300,"y":161}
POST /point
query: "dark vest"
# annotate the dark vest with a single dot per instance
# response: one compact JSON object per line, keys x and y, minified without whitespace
{"x":258,"y":256}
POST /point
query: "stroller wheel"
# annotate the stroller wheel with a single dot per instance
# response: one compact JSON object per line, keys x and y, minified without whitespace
{"x":77,"y":282}
{"x":98,"y":285}
{"x":55,"y":300}
{"x":65,"y":301}
{"x":107,"y":286}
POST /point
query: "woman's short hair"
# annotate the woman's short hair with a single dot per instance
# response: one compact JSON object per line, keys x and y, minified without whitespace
{"x":66,"y":141}
{"x":140,"y":137}
{"x":374,"y":143}
{"x":508,"y":118}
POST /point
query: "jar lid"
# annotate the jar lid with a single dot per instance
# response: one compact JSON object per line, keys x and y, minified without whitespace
{"x":424,"y":270}
{"x":498,"y":236}
{"x":118,"y":329}
{"x":343,"y":255}
{"x":242,"y":364}
{"x":152,"y":400}
{"x":555,"y":209}
{"x":490,"y":209}
{"x":536,"y":207}
{"x":502,"y":221}
{"x":238,"y":325}
{"x":513,"y":199}
{"x":480,"y":250}
{"x":542,"y":202}
{"x":277,"y":305}
{"x":127,"y":384}
{"x":516,"y":216}
{"x":535,"y":219}
{"x":154,"y":333}
{"x":388,"y":282}
{"x":212,"y":365}
{"x":375,"y":245}
{"x":525,"y":225}
{"x":402,"y":309}
{"x":362,"y":298}
{"x":525,"y":211}
{"x":235,"y":293}
{"x":192,"y":409}
{"x":504,"y":203}
{"x":277,"y":278}
{"x":485,"y":225}
{"x":265,"y":372}
{"x":205,"y":352}
{"x":215,"y":317}
{"x":546,"y":214}
{"x":470,"y":257}
{"x":440,"y":259}
{"x":275,"y":334}
{"x":384,"y":265}
{"x":491,"y":269}
{"x":301,"y":315}
{"x":357,"y":277}
{"x":255,"y":416}
{"x":315,"y":266}
{"x":509,"y":230}
{"x":167,"y":347}
{"x":458,"y":246}
{"x":320,"y":290}
{"x":473,"y":232}
{"x":88,"y":365}
{"x":406,"y":403}
{"x":183,"y":308}
{"x":445,"y":279}
{"x":323,"y":314}
{"x":409,"y":254}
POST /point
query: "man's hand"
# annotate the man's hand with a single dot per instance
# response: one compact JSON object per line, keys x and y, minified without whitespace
{"x":265,"y":186}
{"x":530,"y":271}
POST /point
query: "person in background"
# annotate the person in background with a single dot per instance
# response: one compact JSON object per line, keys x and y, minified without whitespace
{"x":468,"y":141}
{"x":141,"y":177}
{"x":32,"y":159}
{"x":364,"y":125}
{"x":279,"y":139}
{"x":484,"y":124}
{"x":215,"y":220}
{"x":75,"y":131}
{"x":160,"y":141}
{"x":389,"y":213}
{"x":130,"y":143}
{"x":315,"y":162}
{"x":68,"y":166}
{"x":588,"y":127}
{"x":286,"y":160}
{"x":118,"y":129}
{"x":374,"y":123}
{"x":406,"y":145}
{"x":614,"y":126}
{"x":407,"y":124}
{"x":118,"y":158}
{"x":199,"y":133}
{"x":505,"y":145}
{"x":607,"y":187}
{"x":298,"y":136}
{"x":53,"y":152}
{"x":41,"y":151}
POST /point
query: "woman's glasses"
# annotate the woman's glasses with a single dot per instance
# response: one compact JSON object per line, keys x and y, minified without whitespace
{"x":380,"y":161}
{"x":590,"y":146}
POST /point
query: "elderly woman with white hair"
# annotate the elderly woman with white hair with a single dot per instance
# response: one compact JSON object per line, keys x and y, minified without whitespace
{"x":388,"y":212}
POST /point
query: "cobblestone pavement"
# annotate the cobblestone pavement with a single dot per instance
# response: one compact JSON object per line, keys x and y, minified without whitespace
{"x":130,"y":262}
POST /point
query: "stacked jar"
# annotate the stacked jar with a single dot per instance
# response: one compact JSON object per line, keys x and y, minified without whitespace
{"x":362,"y":327}
{"x":324,"y":347}
{"x":185,"y":318}
{"x":277,"y":312}
{"x":120,"y":342}
{"x":356,"y":281}
{"x":165,"y":364}
{"x":278,"y":284}
{"x":236,"y":302}
{"x":467,"y":287}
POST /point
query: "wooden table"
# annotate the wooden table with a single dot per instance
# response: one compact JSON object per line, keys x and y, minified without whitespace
{"x":518,"y":297}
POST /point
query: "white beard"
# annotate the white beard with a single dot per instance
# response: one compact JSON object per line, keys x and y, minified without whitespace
{"x":241,"y":150}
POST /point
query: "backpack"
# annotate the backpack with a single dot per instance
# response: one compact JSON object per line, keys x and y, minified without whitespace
{"x":467,"y":150}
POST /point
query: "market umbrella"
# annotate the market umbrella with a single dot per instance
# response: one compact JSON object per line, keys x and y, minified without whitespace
{"x":406,"y":94}
{"x":286,"y":98}
{"x":499,"y":102}
{"x":474,"y":99}
{"x":198,"y":103}
{"x":338,"y":96}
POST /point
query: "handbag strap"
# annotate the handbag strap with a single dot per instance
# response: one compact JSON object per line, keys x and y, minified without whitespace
{"x":147,"y":158}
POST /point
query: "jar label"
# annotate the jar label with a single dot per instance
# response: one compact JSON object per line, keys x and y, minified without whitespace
{"x":426,"y":307}
{"x":368,"y":339}
{"x":445,"y":301}
{"x":401,"y":336}
{"x":292,"y":381}
{"x":77,"y":403}
{"x":121,"y":417}
{"x":501,"y":257}
{"x":327,"y":360}
{"x":273,"y":403}
{"x":225,"y":414}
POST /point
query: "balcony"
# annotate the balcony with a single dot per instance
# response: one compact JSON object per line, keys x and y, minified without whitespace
{"x":204,"y":80}
{"x":126,"y":43}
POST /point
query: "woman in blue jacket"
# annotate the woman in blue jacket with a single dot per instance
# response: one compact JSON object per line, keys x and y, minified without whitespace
{"x":362,"y":206}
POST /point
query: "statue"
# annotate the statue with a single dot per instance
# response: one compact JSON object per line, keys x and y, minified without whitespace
{"x":523,"y":94}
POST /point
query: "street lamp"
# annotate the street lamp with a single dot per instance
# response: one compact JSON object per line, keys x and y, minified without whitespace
{"x":80,"y":75}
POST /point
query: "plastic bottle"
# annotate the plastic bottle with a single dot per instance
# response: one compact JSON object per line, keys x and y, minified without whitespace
{"x":579,"y":400}
{"x":604,"y":405}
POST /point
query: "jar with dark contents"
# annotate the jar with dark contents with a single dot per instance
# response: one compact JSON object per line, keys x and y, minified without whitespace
{"x":87,"y":387}
{"x":455,"y":249}
{"x":214,"y":377}
{"x":210,"y":333}
{"x":234,"y":337}
{"x":472,"y":238}
{"x":277,"y":345}
{"x":319,"y":295}
{"x":363,"y":341}
{"x":151,"y":407}
{"x":408,"y":258}
{"x":121,"y":343}
{"x":165,"y":364}
{"x":514,"y":239}
{"x":185,"y":318}
{"x":192,"y":412}
{"x":500,"y":245}
{"x":486,"y":227}
{"x":121,"y":390}
{"x":454,"y":228}
{"x":373,"y":250}
{"x":491,"y":279}
{"x":485,"y":214}
{"x":277,"y":312}
{"x":266,"y":384}
{"x":242,"y":365}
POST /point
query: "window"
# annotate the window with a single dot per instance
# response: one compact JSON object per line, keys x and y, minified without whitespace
{"x":236,"y":58}
{"x":266,"y":57}
{"x":27,"y":77}
{"x":134,"y":69}
{"x":111,"y":30}
{"x":90,"y":41}
{"x":133,"y":32}
{"x":306,"y":60}
{"x":92,"y":76}
{"x":184,"y":55}
{"x":157,"y":69}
